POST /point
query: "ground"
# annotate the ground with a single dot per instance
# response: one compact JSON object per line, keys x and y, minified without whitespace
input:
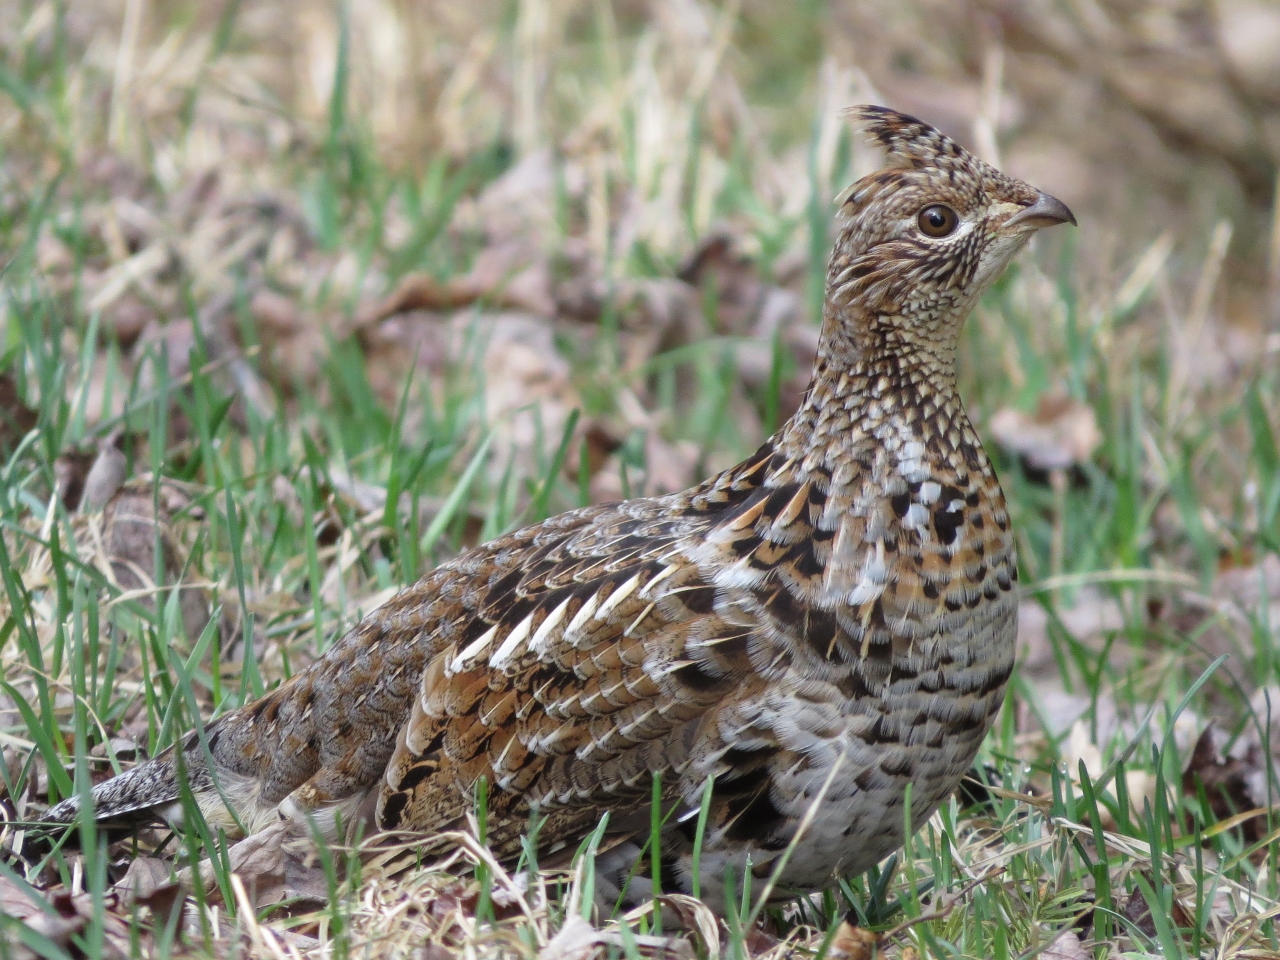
{"x":299,"y":299}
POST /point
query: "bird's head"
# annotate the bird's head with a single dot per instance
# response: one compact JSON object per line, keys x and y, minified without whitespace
{"x":924,"y":236}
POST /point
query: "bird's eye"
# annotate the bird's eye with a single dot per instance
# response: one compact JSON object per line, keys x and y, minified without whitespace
{"x":937,"y":220}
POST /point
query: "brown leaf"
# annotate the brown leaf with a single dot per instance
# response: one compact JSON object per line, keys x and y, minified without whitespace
{"x":1224,"y":780}
{"x":1249,"y":587}
{"x":575,"y":940}
{"x":456,"y":898}
{"x":131,"y":529}
{"x":16,"y":418}
{"x":1062,"y":432}
{"x":171,"y":344}
{"x":80,"y":906}
{"x":1224,"y":621}
{"x":20,"y":901}
{"x":510,"y":276}
{"x":277,"y":316}
{"x":1065,"y":946}
{"x":70,"y":471}
{"x":1138,"y":912}
{"x":275,"y":865}
{"x":578,"y":940}
{"x":501,"y":276}
{"x":599,"y":442}
{"x":734,"y":278}
{"x":759,"y":941}
{"x":1250,"y":35}
{"x":44,"y":917}
{"x":669,"y":468}
{"x":528,"y":391}
{"x":695,"y":916}
{"x":106,"y":475}
{"x":149,"y":882}
{"x":145,"y":877}
{"x":1089,"y":620}
{"x":854,"y":943}
{"x":127,"y":318}
{"x":418,"y":291}
{"x":750,"y":307}
{"x":1259,"y":746}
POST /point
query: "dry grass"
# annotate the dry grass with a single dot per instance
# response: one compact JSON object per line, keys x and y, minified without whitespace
{"x":296,"y":304}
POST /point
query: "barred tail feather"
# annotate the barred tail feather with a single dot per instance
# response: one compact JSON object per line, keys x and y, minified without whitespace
{"x":150,"y":788}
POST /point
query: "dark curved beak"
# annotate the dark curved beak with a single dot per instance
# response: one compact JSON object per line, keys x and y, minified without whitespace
{"x":1046,"y":211}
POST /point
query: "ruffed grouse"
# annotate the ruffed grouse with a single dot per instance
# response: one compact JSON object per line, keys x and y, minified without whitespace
{"x":827,"y":622}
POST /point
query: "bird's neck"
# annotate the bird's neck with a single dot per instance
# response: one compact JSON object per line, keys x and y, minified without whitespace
{"x":871,"y":377}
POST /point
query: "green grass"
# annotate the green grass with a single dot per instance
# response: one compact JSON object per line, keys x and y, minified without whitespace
{"x":355,"y":475}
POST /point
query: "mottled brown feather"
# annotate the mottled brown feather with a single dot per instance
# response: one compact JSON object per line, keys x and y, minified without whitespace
{"x":830,"y":620}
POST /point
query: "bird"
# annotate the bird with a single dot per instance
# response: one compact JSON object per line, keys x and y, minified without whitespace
{"x":798,"y":656}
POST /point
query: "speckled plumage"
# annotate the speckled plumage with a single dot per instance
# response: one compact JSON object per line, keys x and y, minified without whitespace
{"x":830,"y":620}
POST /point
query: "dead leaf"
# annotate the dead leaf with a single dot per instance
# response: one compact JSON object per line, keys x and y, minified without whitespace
{"x":128,"y":317}
{"x":852,"y":942}
{"x":70,"y":471}
{"x":1083,"y":747}
{"x":58,"y":918}
{"x":694,"y":915}
{"x":46,"y":917}
{"x":1138,"y":911}
{"x":1062,"y":432}
{"x":1249,"y":587}
{"x":1250,"y":36}
{"x":749,"y":307}
{"x":515,"y":214}
{"x":170,"y":345}
{"x":731,"y":276}
{"x":16,"y":418}
{"x":276,"y":316}
{"x":669,"y":468}
{"x":1090,"y":618}
{"x":521,"y":202}
{"x":419,"y":291}
{"x":115,"y":175}
{"x":130,"y":530}
{"x":150,"y":882}
{"x":578,"y":940}
{"x":512,"y":276}
{"x":1259,"y":748}
{"x":599,"y":442}
{"x":17,"y":900}
{"x":499,"y":278}
{"x":1065,"y":946}
{"x":575,"y":940}
{"x":1225,"y":620}
{"x":106,"y":475}
{"x":274,"y":865}
{"x":1225,"y":779}
{"x":116,"y":931}
{"x":759,"y":942}
{"x":528,"y":392}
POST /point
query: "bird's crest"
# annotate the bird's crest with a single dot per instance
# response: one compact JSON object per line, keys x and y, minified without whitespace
{"x":908,"y":143}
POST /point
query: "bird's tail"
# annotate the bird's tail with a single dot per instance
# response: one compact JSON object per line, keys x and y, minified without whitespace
{"x":148,"y":790}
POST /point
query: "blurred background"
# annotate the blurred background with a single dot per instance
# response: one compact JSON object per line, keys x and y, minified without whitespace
{"x":393,"y":277}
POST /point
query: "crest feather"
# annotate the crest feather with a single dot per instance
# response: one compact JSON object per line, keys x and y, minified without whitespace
{"x":907,"y":142}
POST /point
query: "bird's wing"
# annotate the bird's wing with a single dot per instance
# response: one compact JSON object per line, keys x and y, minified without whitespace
{"x":591,"y":663}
